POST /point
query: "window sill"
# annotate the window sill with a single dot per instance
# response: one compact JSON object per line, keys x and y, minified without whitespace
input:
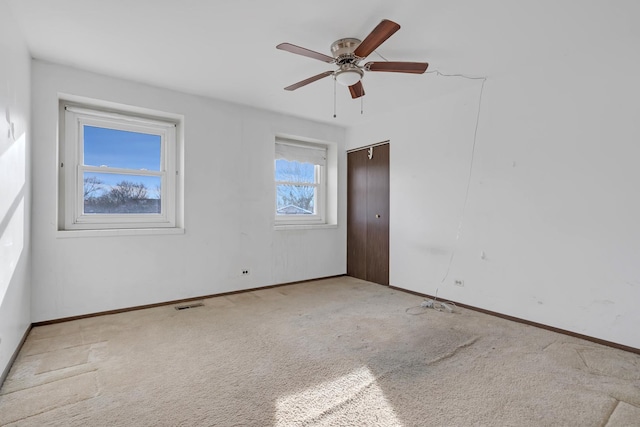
{"x":65,"y":234}
{"x":279,"y":227}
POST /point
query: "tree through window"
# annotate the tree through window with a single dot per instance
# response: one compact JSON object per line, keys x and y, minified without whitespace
{"x":299,"y":182}
{"x":120,"y":170}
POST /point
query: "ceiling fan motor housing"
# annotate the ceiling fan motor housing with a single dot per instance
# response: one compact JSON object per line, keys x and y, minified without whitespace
{"x":349,"y":72}
{"x":342,"y":50}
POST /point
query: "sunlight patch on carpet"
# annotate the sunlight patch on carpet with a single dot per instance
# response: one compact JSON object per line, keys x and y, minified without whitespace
{"x":355,"y":396}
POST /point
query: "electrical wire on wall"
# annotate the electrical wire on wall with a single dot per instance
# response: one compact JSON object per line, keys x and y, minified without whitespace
{"x":471,"y":162}
{"x":473,"y":152}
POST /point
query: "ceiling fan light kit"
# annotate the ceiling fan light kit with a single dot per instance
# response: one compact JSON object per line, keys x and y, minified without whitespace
{"x":348,"y":75}
{"x":347,"y":54}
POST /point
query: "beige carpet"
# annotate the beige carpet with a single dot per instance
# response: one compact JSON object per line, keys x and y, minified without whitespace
{"x":335,"y":352}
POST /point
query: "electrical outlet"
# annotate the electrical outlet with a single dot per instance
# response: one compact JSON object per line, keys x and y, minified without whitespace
{"x":245,"y":272}
{"x":458,"y":282}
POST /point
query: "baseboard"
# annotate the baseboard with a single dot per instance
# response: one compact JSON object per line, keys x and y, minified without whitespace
{"x":530,"y":323}
{"x":5,"y":373}
{"x":179,"y":301}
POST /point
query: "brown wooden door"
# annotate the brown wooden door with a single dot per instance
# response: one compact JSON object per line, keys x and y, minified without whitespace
{"x":357,"y":214}
{"x":368,"y":214}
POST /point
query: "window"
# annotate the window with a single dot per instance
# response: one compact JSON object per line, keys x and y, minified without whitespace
{"x":300,"y":182}
{"x":117,"y":170}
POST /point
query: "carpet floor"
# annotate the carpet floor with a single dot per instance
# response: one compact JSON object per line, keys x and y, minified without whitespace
{"x":333,"y":352}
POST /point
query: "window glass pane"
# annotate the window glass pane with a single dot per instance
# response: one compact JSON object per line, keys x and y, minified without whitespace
{"x":295,"y":199}
{"x":292,"y":171}
{"x":121,"y":149}
{"x":107,"y":193}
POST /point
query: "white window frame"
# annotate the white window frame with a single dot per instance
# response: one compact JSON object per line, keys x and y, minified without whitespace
{"x":320,"y":184}
{"x":73,"y":169}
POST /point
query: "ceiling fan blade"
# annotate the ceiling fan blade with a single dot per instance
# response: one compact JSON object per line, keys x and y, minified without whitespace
{"x":356,"y":90}
{"x":397,"y":67}
{"x":383,"y":31}
{"x":309,"y":80}
{"x":304,"y":52}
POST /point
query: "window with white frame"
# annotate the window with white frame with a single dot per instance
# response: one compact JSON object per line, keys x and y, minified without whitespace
{"x":300,"y":182}
{"x":118,"y":170}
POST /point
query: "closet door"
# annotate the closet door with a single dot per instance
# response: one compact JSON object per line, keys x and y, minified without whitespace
{"x":357,"y":214}
{"x":368,"y":214}
{"x":378,"y":215}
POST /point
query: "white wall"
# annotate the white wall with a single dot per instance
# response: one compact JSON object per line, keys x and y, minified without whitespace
{"x":554,"y":196}
{"x":15,"y":64}
{"x":229,"y":203}
{"x":553,"y":199}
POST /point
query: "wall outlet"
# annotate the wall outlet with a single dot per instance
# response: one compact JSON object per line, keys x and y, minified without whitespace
{"x":458,"y":282}
{"x":245,"y":271}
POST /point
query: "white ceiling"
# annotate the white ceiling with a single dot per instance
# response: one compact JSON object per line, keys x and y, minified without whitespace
{"x":226,"y":49}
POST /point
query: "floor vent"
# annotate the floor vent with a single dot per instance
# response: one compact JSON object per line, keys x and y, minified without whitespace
{"x":186,"y":306}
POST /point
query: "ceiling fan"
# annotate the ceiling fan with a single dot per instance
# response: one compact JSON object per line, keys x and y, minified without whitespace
{"x":347,"y":55}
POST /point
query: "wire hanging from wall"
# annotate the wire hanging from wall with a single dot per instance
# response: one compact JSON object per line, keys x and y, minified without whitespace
{"x":471,"y":162}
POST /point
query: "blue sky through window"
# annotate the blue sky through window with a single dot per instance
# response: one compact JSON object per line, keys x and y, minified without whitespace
{"x":121,"y":149}
{"x":113,"y":148}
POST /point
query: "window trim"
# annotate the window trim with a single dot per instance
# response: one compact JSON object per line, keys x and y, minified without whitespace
{"x":320,"y":183}
{"x":74,"y":116}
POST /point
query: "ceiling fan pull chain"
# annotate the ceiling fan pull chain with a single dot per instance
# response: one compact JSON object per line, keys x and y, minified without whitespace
{"x":361,"y":104}
{"x":334,"y":97}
